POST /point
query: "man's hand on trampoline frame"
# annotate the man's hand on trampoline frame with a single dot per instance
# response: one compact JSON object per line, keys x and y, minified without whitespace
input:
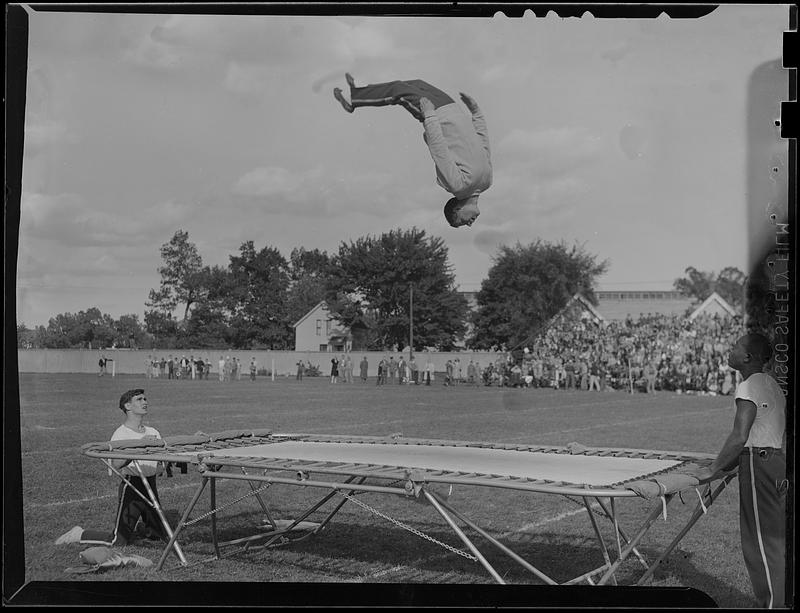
{"x":704,"y":473}
{"x":710,"y":472}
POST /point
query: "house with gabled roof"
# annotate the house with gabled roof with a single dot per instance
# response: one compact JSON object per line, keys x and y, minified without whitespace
{"x":713,"y":305}
{"x":319,"y":330}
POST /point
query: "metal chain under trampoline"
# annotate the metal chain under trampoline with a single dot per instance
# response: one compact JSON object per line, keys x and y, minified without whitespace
{"x":225,"y":506}
{"x":409,"y":528}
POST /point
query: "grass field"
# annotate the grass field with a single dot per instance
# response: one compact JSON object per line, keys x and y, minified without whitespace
{"x":62,"y":488}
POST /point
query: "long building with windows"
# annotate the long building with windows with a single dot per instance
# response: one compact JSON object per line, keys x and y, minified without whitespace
{"x":619,"y":305}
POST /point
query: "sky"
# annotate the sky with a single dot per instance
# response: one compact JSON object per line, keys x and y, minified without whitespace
{"x":627,"y":137}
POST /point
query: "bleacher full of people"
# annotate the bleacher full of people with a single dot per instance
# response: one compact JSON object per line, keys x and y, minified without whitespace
{"x":652,"y":353}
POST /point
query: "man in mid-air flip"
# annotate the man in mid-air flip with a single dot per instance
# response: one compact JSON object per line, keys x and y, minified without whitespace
{"x":459,"y":146}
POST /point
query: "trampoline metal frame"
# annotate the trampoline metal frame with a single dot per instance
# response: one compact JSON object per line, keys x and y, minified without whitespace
{"x":415,"y":483}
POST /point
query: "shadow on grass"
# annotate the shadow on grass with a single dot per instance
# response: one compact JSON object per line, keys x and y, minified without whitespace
{"x":366,"y":552}
{"x":379,"y":552}
{"x":387,"y":553}
{"x":679,"y":569}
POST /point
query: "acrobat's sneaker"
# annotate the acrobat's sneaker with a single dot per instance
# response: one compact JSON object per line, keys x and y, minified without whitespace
{"x":337,"y":93}
{"x":73,"y":536}
{"x":349,"y":78}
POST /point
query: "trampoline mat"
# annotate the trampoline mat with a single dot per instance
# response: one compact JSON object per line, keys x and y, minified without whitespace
{"x":578,"y":469}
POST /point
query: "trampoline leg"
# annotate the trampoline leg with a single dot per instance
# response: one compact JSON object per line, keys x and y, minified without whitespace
{"x":463,"y":537}
{"x":622,"y":533}
{"x":602,"y":541}
{"x":698,"y":513}
{"x":213,"y":502}
{"x":260,"y":500}
{"x":174,"y":536}
{"x":616,"y":525}
{"x":519,"y":559}
{"x":337,"y":507}
{"x":635,"y":540}
{"x":161,"y":516}
{"x":316,"y":506}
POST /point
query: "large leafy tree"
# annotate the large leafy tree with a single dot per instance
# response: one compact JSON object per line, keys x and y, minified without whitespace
{"x":729,"y":283}
{"x":257,"y":298}
{"x":182,"y":278}
{"x":526,"y":286}
{"x":129,"y":331}
{"x":370,"y":285}
{"x":206,"y":328}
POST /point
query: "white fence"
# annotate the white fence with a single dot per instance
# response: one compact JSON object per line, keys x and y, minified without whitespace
{"x":282,"y":363}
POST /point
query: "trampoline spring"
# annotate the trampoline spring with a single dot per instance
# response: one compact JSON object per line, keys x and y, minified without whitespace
{"x":580,"y":504}
{"x":408,"y":528}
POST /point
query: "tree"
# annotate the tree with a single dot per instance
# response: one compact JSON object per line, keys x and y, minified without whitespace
{"x":729,"y":284}
{"x":206,"y":328}
{"x":181,"y":276}
{"x":526,"y":286}
{"x":128,"y":328}
{"x":163,"y":328}
{"x":87,"y":329}
{"x":372,"y":278}
{"x":257,"y":298}
{"x":308,"y":271}
{"x":26,"y":338}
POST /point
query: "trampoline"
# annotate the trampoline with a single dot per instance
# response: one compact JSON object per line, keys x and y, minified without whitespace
{"x":345,"y":467}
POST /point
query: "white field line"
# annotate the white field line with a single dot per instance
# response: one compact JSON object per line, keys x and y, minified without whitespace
{"x":59,"y":503}
{"x":321,"y":430}
{"x":548,"y":520}
{"x":511,"y":439}
{"x":621,"y":423}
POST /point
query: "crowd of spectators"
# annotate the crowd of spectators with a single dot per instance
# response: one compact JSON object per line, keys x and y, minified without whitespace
{"x":186,"y":368}
{"x":650,"y":354}
{"x":653,"y":353}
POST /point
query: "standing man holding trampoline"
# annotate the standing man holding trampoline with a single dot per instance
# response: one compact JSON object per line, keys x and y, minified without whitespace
{"x":130,"y":506}
{"x":756,"y":444}
{"x":458,"y":144}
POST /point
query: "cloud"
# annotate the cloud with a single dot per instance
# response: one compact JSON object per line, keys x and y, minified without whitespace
{"x":247,"y":80}
{"x":149,"y":52}
{"x":617,"y":52}
{"x":315,"y":191}
{"x":41,"y":129}
{"x":68,"y":220}
{"x":269,"y":181}
{"x":324,"y":80}
{"x":39,"y":135}
{"x":367,"y":40}
{"x":518,"y":72}
{"x":488,"y":241}
{"x":275,"y":40}
{"x":549,"y":153}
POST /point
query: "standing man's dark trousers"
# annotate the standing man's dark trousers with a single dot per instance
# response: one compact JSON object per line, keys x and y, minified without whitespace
{"x":405,"y":93}
{"x":762,"y":522}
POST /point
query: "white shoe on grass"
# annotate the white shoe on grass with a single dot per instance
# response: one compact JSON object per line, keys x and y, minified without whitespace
{"x":73,"y":536}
